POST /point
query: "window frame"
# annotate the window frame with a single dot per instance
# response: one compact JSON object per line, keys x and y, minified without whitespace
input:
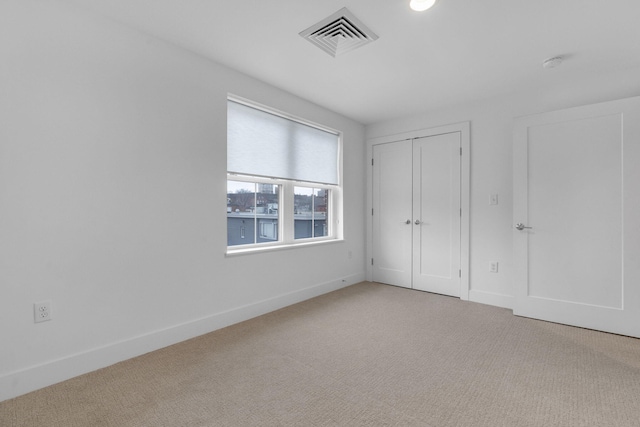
{"x":286,"y":220}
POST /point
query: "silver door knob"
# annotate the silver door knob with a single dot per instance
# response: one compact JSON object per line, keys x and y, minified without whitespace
{"x":408,"y":221}
{"x":520,"y":226}
{"x":417,"y":222}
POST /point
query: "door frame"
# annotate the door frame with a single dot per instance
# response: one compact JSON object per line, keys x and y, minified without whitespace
{"x":464,"y":128}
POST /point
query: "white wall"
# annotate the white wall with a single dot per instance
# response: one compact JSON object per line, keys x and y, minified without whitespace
{"x":491,"y":165}
{"x":113,"y":197}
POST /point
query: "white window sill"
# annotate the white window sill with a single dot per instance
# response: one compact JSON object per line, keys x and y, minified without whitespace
{"x":271,"y":248}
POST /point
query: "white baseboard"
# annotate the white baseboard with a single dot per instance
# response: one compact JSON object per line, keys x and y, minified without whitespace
{"x":489,"y":298}
{"x":35,"y":377}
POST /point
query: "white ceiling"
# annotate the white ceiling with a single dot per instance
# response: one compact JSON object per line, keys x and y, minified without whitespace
{"x":459,"y":51}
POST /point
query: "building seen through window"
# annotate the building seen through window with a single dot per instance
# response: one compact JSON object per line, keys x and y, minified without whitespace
{"x":252,"y":212}
{"x":310,"y":212}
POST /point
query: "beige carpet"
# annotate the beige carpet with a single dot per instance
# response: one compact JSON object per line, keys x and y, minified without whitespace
{"x":367,"y":355}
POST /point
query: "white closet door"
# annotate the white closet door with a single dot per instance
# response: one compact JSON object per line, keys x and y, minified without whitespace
{"x":576,"y":209}
{"x":392,"y":204}
{"x":416,"y":213}
{"x":436,"y":214}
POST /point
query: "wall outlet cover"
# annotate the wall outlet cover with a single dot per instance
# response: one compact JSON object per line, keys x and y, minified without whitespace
{"x":41,"y":311}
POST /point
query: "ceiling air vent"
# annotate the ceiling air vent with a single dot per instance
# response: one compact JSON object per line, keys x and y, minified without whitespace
{"x":339,"y":33}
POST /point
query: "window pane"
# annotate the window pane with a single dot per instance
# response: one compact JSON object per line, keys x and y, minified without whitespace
{"x":267,"y":199}
{"x":310,"y":212}
{"x":241,"y":200}
{"x":303,"y":212}
{"x":320,"y":212}
{"x":252,"y":212}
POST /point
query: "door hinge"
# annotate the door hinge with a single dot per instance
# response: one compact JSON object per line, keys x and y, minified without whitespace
{"x":371,"y":211}
{"x":460,"y":211}
{"x":371,"y":261}
{"x":459,"y":273}
{"x":461,"y":151}
{"x":371,"y":162}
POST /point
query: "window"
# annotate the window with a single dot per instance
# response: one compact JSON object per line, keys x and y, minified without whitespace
{"x":282,"y":179}
{"x":310,"y":212}
{"x":252,"y":207}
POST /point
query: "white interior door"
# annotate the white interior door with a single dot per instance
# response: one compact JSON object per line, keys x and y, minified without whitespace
{"x":577,"y":242}
{"x":436,"y":214}
{"x":392,"y":205}
{"x":416,"y":213}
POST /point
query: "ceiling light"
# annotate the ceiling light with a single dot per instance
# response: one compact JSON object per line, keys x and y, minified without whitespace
{"x":420,"y":5}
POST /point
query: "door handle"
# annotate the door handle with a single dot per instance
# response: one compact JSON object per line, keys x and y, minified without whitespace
{"x":408,"y":221}
{"x":418,"y":222}
{"x":520,"y":226}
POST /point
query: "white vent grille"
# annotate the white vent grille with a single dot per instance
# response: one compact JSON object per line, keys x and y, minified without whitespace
{"x":339,"y":33}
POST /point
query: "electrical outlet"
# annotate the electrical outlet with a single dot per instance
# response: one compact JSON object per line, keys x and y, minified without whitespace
{"x":494,"y":267}
{"x":41,"y":311}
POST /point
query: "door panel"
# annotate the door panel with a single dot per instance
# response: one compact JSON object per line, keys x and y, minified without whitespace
{"x":575,"y":178}
{"x":575,"y":202}
{"x":392,"y":205}
{"x":436,"y":192}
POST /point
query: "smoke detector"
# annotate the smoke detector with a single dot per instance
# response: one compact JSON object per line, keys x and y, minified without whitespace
{"x":552,"y":62}
{"x":339,"y":33}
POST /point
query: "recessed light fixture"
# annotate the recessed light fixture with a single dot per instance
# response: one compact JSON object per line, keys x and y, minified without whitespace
{"x":421,"y":5}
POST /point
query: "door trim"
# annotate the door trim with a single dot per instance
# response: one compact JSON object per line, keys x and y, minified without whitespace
{"x":465,"y":168}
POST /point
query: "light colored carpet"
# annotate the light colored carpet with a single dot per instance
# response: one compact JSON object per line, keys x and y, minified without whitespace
{"x":366,"y":355}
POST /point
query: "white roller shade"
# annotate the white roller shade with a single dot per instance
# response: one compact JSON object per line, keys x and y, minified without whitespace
{"x":264,"y":144}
